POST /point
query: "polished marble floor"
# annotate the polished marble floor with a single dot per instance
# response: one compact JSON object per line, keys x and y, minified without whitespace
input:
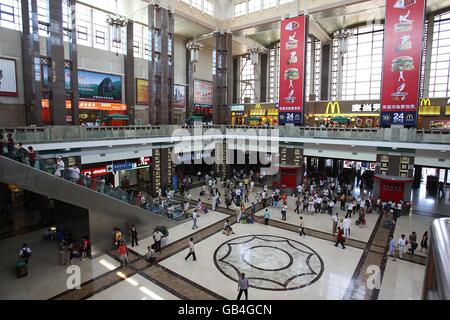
{"x":180,"y":231}
{"x":46,"y":277}
{"x":135,"y":288}
{"x":335,"y":271}
{"x":402,"y":280}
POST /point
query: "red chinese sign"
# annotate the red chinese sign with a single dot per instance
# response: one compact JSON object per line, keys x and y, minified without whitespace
{"x":292,"y":70}
{"x":402,"y":54}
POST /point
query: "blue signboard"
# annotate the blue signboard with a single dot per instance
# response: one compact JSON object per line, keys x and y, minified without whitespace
{"x":123,"y":166}
{"x":289,"y":117}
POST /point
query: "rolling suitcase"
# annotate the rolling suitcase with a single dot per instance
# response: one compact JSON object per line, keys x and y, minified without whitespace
{"x":21,"y":269}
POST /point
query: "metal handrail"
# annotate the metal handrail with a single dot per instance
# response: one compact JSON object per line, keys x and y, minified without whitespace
{"x":437,"y":275}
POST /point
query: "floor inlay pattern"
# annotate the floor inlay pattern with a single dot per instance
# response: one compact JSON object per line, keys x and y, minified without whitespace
{"x":269,"y":262}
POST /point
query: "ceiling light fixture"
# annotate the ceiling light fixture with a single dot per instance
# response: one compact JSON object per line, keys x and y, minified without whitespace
{"x":254,"y":54}
{"x":194,"y":47}
{"x":116,"y":22}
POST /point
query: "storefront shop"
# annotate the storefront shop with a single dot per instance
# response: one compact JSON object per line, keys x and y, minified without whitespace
{"x":237,"y":114}
{"x":346,"y":114}
{"x":434,"y":113}
{"x":261,"y":114}
{"x":136,"y":171}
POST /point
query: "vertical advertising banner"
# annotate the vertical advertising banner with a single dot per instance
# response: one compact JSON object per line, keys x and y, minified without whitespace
{"x":292,"y":70}
{"x":402,"y":54}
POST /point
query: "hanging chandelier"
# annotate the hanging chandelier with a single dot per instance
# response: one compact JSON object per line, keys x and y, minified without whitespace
{"x":254,"y":54}
{"x":194,"y":48}
{"x":343,"y":35}
{"x":116,"y":22}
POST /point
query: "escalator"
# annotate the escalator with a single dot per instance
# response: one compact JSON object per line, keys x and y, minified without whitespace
{"x":106,"y":207}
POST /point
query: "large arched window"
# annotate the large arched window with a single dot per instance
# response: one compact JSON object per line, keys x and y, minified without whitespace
{"x":361,"y":65}
{"x":439,"y":81}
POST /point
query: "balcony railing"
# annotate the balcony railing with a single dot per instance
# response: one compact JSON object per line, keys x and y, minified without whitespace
{"x":51,"y":134}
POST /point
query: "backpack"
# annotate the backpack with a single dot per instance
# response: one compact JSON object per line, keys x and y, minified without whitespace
{"x":25,"y":253}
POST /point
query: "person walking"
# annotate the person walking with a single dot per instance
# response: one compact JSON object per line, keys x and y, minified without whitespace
{"x":191,"y":250}
{"x":25,"y":253}
{"x":392,"y":248}
{"x":11,"y":146}
{"x":334,"y":218}
{"x":413,"y":242}
{"x":150,"y":256}
{"x":424,"y":242}
{"x":31,"y":156}
{"x":266,"y":216}
{"x":243,"y":287}
{"x":283,"y":211}
{"x":401,"y":244}
{"x":340,"y":238}
{"x":123,"y":253}
{"x":134,"y":238}
{"x":157,"y":236}
{"x":117,"y":237}
{"x":301,"y":228}
{"x":194,"y":219}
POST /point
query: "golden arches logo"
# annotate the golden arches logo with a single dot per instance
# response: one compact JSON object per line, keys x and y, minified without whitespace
{"x":334,"y":106}
{"x":425,"y":102}
{"x":409,"y":116}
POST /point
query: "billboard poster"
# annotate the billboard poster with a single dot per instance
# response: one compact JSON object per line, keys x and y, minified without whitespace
{"x":402,"y":54}
{"x":292,"y":70}
{"x":45,"y":77}
{"x":142,"y":92}
{"x":8,"y":78}
{"x":179,"y":97}
{"x":95,"y":86}
{"x":203,"y":93}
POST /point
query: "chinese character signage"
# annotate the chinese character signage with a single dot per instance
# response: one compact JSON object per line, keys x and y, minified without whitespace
{"x":292,"y":70}
{"x":402,"y":53}
{"x":142,"y":92}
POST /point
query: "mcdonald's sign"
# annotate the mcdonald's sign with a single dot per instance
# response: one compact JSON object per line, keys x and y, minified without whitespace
{"x":426,"y":108}
{"x":334,"y":106}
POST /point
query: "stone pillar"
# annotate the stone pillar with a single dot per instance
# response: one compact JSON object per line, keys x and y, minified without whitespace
{"x":222,"y":78}
{"x":31,"y":64}
{"x":161,"y":28}
{"x":151,"y":64}
{"x":395,"y":164}
{"x":326,"y":73}
{"x":130,"y":82}
{"x":55,"y":50}
{"x":263,"y":58}
{"x":164,"y":167}
{"x":311,"y":94}
{"x":73,"y":53}
{"x":171,"y":65}
{"x":190,"y":81}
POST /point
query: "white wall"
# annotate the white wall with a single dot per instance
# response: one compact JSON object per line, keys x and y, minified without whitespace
{"x":113,"y":154}
{"x":180,"y":61}
{"x":204,"y":67}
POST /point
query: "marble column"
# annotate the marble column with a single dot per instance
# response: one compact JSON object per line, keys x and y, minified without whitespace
{"x":130,"y":82}
{"x":222,"y":78}
{"x":161,"y":28}
{"x":151,"y":64}
{"x":55,"y":50}
{"x":73,"y":53}
{"x":31,"y":64}
{"x":325,"y":74}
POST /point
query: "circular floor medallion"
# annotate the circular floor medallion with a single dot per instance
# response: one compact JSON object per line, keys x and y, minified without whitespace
{"x":269,"y":262}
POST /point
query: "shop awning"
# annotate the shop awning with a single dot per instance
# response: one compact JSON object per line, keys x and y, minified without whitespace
{"x":196,"y":118}
{"x":340,"y":119}
{"x":254,"y":118}
{"x":116,"y":116}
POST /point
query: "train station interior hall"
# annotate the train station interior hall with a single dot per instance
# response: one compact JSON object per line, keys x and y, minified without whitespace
{"x":225,"y":149}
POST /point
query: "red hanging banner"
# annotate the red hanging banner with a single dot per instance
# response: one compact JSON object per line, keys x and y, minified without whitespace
{"x":402,"y":55}
{"x":292,"y":70}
